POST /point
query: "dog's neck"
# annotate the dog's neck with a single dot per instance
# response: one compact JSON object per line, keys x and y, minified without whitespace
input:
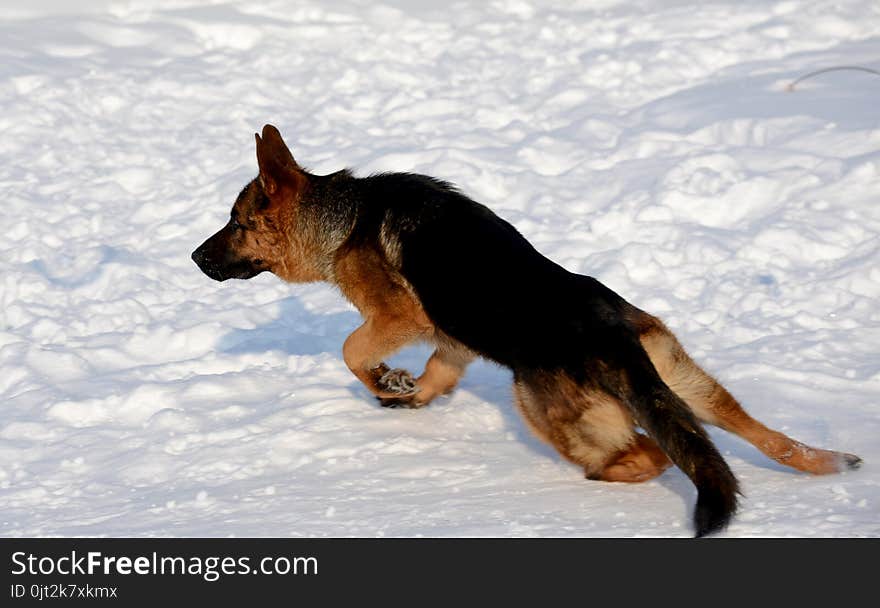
{"x":322,"y":220}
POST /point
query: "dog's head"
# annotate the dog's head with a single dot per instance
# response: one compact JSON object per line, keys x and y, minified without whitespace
{"x":257,"y":236}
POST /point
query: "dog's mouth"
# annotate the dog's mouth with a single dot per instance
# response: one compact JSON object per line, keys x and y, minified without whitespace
{"x":240,"y":269}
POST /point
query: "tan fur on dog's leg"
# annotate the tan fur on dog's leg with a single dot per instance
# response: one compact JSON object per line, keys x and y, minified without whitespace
{"x":442,"y":373}
{"x":713,"y":404}
{"x":587,"y":426}
{"x":644,"y":460}
{"x":370,"y":343}
{"x":393,"y":319}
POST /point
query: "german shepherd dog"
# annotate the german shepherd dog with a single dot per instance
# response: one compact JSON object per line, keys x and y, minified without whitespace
{"x":422,"y":261}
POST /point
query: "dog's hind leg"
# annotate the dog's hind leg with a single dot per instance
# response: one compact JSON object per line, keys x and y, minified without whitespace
{"x":642,"y":461}
{"x":713,"y":404}
{"x":596,"y":430}
{"x":588,"y":427}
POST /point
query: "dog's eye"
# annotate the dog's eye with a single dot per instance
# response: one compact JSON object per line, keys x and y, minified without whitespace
{"x":233,"y":223}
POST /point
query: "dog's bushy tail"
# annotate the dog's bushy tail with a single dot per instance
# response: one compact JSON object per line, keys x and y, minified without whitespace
{"x":670,"y":422}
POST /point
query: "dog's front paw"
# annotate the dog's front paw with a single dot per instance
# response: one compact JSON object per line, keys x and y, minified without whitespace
{"x":409,"y":402}
{"x":398,"y":381}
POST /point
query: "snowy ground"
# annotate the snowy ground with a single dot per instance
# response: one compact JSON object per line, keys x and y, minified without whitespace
{"x":649,"y":144}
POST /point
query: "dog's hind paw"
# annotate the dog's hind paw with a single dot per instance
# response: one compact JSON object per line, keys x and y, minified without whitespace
{"x":398,"y":381}
{"x":851,"y":461}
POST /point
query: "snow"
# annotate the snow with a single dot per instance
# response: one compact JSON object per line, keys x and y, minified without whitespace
{"x":652,"y":145}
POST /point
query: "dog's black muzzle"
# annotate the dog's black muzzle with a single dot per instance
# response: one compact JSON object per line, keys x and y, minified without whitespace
{"x":216,"y":261}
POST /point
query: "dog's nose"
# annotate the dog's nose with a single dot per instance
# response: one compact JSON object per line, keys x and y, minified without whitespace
{"x":207,"y":265}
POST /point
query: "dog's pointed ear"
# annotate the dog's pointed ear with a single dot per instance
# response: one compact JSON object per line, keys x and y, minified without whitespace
{"x":277,"y":165}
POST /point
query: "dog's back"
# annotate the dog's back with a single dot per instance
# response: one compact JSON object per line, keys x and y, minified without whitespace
{"x":480,"y":280}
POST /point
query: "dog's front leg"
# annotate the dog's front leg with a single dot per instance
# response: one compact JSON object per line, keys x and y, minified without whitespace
{"x":442,"y":373}
{"x":365,"y":349}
